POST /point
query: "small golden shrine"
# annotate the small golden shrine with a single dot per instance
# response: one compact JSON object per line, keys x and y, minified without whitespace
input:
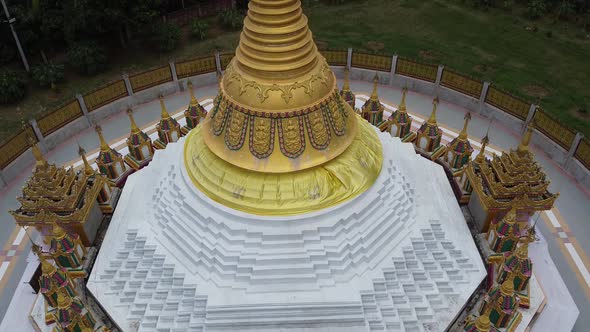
{"x":52,"y":279}
{"x":347,"y":94}
{"x":480,"y":323}
{"x":519,"y":264}
{"x":195,"y":113}
{"x":110,"y":162}
{"x":513,"y":179}
{"x":58,"y":195}
{"x":372,"y":110}
{"x":502,"y":304}
{"x":139,"y":144}
{"x":459,"y":150}
{"x":399,"y":123}
{"x":429,"y":135}
{"x":504,"y":235}
{"x":71,"y":315}
{"x":66,"y":249}
{"x":168,"y":128}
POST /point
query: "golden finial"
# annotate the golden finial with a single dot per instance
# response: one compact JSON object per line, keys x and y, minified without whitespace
{"x":482,"y":323}
{"x":64,"y":300}
{"x":375,"y":95}
{"x":46,"y":267}
{"x":134,"y":127}
{"x":523,"y":147}
{"x":463,"y":134}
{"x":58,"y":231}
{"x":87,"y":168}
{"x":40,"y":161}
{"x":103,"y":143}
{"x":507,"y":288}
{"x":346,"y":86}
{"x":402,"y":105}
{"x":432,"y":119}
{"x":165,"y":114}
{"x":481,"y":156}
{"x":191,"y":90}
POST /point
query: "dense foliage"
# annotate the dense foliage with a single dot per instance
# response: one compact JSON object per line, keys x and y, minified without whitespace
{"x":88,"y":58}
{"x":563,"y":9}
{"x":231,"y":19}
{"x":47,"y":74}
{"x":199,"y":29}
{"x":165,"y":36}
{"x":12,"y":86}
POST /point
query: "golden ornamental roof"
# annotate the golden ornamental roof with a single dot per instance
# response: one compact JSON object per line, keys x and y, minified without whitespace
{"x":278,"y":109}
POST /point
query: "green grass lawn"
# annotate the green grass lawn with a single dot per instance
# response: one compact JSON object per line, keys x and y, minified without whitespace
{"x":496,"y":46}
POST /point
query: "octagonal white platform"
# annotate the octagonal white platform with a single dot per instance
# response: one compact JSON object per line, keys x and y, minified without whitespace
{"x":398,"y":258}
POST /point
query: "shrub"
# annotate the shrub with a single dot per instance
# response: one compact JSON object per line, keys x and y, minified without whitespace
{"x":46,"y":75}
{"x":166,"y":36}
{"x":12,"y":86}
{"x":231,"y":19}
{"x":536,"y":8}
{"x":199,"y":29}
{"x":87,"y":58}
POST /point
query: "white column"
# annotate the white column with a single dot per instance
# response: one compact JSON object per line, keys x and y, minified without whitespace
{"x":571,"y":152}
{"x":349,"y":58}
{"x":128,"y":84}
{"x":218,"y":62}
{"x":39,"y":135}
{"x":84,"y":108}
{"x":482,"y":97}
{"x":173,"y":71}
{"x":530,"y":116}
{"x":392,"y":72}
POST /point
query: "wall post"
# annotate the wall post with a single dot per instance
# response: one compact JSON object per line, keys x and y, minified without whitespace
{"x":572,"y":151}
{"x":482,"y":97}
{"x":439,"y":74}
{"x":530,"y":116}
{"x":84,"y":108}
{"x":393,"y":66}
{"x":38,"y":135}
{"x":218,"y":62}
{"x":349,"y":58}
{"x":173,"y":71}
{"x":128,"y":85}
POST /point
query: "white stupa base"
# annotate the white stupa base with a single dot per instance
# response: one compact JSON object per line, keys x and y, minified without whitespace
{"x":399,"y":257}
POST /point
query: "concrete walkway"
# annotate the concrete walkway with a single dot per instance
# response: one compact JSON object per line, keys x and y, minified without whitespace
{"x":567,"y":235}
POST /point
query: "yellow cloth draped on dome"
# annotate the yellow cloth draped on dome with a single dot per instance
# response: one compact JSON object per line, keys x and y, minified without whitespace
{"x":331,"y":183}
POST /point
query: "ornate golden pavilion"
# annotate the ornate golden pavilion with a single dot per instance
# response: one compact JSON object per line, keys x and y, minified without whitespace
{"x":512,"y":180}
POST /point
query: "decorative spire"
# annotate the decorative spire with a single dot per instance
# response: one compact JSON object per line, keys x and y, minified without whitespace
{"x":46,"y":267}
{"x":482,"y":323}
{"x":522,"y":251}
{"x":432,"y":119}
{"x":134,"y":128}
{"x":463,"y":134}
{"x":58,"y":231}
{"x":346,"y":86}
{"x":276,"y":42}
{"x":191,"y":90}
{"x":507,"y":288}
{"x":523,"y":147}
{"x":41,"y":162}
{"x":103,"y":143}
{"x":375,"y":95}
{"x":88,"y":170}
{"x":64,"y":300}
{"x":481,"y":157}
{"x":164,"y":114}
{"x":402,"y":105}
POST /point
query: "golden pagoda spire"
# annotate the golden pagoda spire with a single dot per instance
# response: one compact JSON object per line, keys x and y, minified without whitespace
{"x":88,"y":170}
{"x":191,"y":90}
{"x":507,"y":288}
{"x":40,"y":161}
{"x":103,"y":143}
{"x":58,"y":231}
{"x":164,"y":113}
{"x":523,"y":147}
{"x":402,"y":105}
{"x":374,"y":94}
{"x":463,"y":134}
{"x":64,"y":300}
{"x":481,"y":157}
{"x":432,"y":118}
{"x":46,"y":267}
{"x":346,"y":86}
{"x":134,"y":128}
{"x":482,"y":323}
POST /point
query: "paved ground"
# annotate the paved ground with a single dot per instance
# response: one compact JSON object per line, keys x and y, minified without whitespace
{"x":564,"y":228}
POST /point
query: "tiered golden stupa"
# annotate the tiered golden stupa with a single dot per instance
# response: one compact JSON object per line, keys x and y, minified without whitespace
{"x":280,"y":139}
{"x":513,"y":179}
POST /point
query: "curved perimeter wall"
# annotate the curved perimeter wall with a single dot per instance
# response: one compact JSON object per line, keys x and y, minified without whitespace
{"x":567,"y":147}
